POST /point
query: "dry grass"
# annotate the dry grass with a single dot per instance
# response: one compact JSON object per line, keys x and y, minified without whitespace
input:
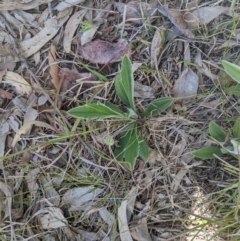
{"x":182,"y":197}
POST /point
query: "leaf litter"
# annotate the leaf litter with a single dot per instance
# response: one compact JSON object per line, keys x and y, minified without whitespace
{"x":64,"y":181}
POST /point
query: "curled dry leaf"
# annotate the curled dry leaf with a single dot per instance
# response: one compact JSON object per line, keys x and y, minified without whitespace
{"x":70,"y":29}
{"x":102,"y":52}
{"x":135,"y":9}
{"x":177,"y":18}
{"x":186,"y":85}
{"x":21,"y":85}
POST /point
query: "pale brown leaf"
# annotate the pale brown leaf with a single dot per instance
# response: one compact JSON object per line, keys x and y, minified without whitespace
{"x":102,"y":52}
{"x":54,"y":67}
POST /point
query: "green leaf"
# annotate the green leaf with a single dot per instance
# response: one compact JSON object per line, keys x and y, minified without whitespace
{"x":235,"y":90}
{"x":132,"y":150}
{"x":100,"y":76}
{"x":143,"y":148}
{"x":232,"y":70}
{"x":236,"y":128}
{"x":119,"y":151}
{"x":217,"y":132}
{"x":97,"y":110}
{"x":128,"y":148}
{"x":207,"y":152}
{"x":157,"y":106}
{"x":124,"y":83}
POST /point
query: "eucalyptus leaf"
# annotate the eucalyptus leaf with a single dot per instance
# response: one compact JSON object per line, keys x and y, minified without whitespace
{"x":124,"y":83}
{"x":207,"y":152}
{"x":236,"y":128}
{"x":157,"y":106}
{"x":217,"y":132}
{"x":91,"y":111}
{"x":232,"y":70}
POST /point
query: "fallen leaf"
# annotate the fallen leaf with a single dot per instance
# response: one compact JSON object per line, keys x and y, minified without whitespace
{"x":102,"y":52}
{"x":32,"y":183}
{"x":156,"y":46}
{"x":177,"y":19}
{"x":79,"y":196}
{"x":7,"y":203}
{"x":4,"y":129}
{"x":12,"y":5}
{"x":136,"y":11}
{"x":140,"y":232}
{"x":204,"y":15}
{"x":28,"y":125}
{"x":30,"y":46}
{"x":107,"y":217}
{"x":51,"y":193}
{"x":69,"y":77}
{"x":88,"y":35}
{"x":73,"y":75}
{"x":125,"y":234}
{"x":70,"y":29}
{"x":51,"y":218}
{"x":67,"y":4}
{"x":143,"y":91}
{"x":186,"y":86}
{"x":54,"y":67}
{"x":21,"y":85}
{"x":4,"y":94}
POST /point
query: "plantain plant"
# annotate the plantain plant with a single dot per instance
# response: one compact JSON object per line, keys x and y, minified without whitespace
{"x":217,"y":133}
{"x":131,"y":144}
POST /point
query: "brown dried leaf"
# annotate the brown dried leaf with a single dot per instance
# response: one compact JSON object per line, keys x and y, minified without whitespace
{"x":134,"y":10}
{"x":186,"y":85}
{"x":54,"y":67}
{"x":176,"y":17}
{"x":73,"y":75}
{"x":102,"y":52}
{"x":4,"y":94}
